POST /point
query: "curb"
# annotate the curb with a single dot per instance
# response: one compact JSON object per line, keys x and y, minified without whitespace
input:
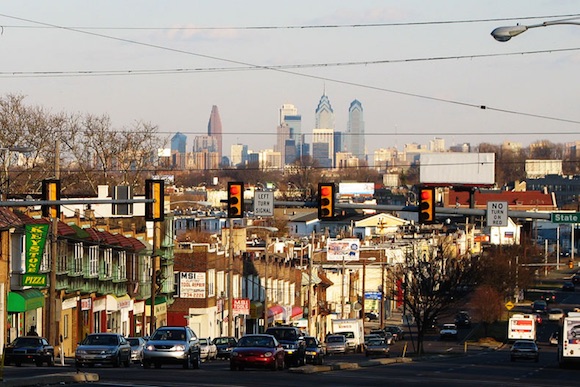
{"x":69,"y":377}
{"x":311,"y":369}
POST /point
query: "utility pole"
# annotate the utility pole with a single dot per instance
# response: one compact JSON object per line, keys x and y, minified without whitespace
{"x":310,"y":292}
{"x":53,"y":297}
{"x":230,"y":281}
{"x":267,"y":260}
{"x":155,"y":266}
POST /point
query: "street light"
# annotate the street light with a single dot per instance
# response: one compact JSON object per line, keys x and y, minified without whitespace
{"x":503,"y":34}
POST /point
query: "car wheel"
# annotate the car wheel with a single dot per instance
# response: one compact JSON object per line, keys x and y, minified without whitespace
{"x":282,"y":364}
{"x":196,"y":362}
{"x":50,"y":361}
{"x":320,"y":360}
{"x":146,"y":364}
{"x":127,"y":362}
{"x":186,"y":362}
{"x":117,"y":361}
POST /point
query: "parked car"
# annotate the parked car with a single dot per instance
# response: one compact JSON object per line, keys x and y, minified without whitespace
{"x":377,"y":347}
{"x":524,"y":349}
{"x":448,"y":332}
{"x":224,"y":345}
{"x":29,"y":349}
{"x":260,"y":350}
{"x":555,"y":314}
{"x":378,"y":332}
{"x":336,"y":344}
{"x":554,"y":337}
{"x":397,"y":332}
{"x":463,"y":319}
{"x":103,"y":348}
{"x":540,"y":306}
{"x":137,"y":345}
{"x":568,"y":286}
{"x":292,"y":339}
{"x":371,"y":316}
{"x":576,"y":279}
{"x":372,"y":336}
{"x":208,"y":349}
{"x":172,"y":345}
{"x":315,"y":350}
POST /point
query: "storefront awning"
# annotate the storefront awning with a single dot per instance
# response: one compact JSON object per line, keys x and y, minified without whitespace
{"x":158,"y":300}
{"x":25,"y":300}
{"x":306,"y":280}
{"x":296,"y":313}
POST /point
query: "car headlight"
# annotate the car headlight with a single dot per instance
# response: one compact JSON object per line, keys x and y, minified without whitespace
{"x":81,"y":352}
{"x":268,"y":354}
{"x":179,"y":347}
{"x":310,"y":353}
{"x":110,"y":351}
{"x":292,"y":346}
{"x":234,"y":354}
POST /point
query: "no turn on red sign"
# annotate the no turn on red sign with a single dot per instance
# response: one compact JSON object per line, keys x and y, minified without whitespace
{"x":497,"y":214}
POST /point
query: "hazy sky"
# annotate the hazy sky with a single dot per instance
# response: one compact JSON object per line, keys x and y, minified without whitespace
{"x":438,"y":63}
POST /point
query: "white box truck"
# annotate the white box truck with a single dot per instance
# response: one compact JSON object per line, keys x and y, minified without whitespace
{"x":522,"y":327}
{"x":569,"y":340}
{"x":353,"y":329}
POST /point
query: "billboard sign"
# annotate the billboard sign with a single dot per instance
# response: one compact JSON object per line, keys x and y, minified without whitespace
{"x":343,"y":249}
{"x":451,"y":168}
{"x":191,"y":285}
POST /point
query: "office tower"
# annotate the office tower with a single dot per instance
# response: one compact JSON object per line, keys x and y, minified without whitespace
{"x":287,"y":109}
{"x":324,"y":114}
{"x":323,"y":147}
{"x":179,"y":142}
{"x":239,"y":154}
{"x":282,"y":135}
{"x":205,"y":143}
{"x":355,"y":132}
{"x":290,"y":127}
{"x":214,"y":128}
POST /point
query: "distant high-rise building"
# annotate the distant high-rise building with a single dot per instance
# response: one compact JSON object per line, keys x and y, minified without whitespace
{"x":324,"y":115}
{"x":290,"y":127}
{"x":214,"y":128}
{"x":282,"y":135}
{"x":355,"y":132}
{"x":179,"y":142}
{"x":239,"y":154}
{"x":205,"y":143}
{"x":287,"y":109}
{"x":323,"y":147}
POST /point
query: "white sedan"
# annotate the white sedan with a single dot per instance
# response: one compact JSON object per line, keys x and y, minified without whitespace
{"x":448,"y":331}
{"x":555,"y":314}
{"x":208,"y":349}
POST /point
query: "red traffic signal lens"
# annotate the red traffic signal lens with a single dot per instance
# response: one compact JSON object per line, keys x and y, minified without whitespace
{"x":234,"y":189}
{"x":325,"y":191}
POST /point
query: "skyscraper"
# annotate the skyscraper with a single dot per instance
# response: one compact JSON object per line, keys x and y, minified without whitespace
{"x":323,"y":133}
{"x":179,"y":142}
{"x":324,"y":114}
{"x":290,"y":128}
{"x":355,"y":132}
{"x":214,"y":128}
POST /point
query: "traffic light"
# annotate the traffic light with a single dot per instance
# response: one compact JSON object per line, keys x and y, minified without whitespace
{"x":235,"y":199}
{"x":426,"y":205}
{"x":154,"y":212}
{"x":325,"y":200}
{"x":51,"y":191}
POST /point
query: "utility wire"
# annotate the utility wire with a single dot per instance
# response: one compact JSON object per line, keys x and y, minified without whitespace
{"x":327,"y":79}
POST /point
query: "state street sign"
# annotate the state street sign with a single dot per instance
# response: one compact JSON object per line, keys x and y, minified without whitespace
{"x":497,"y":214}
{"x":264,"y":203}
{"x":566,"y":217}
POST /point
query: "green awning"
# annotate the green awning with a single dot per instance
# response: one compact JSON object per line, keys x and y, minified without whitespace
{"x":25,"y":300}
{"x":158,"y":300}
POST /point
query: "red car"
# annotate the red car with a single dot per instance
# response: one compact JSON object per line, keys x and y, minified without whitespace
{"x":261,"y":351}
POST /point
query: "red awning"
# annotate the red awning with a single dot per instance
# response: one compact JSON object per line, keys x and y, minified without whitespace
{"x":274,"y":310}
{"x":296,"y":313}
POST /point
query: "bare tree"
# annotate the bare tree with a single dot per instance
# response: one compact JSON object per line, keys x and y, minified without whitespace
{"x":432,"y":284}
{"x":488,"y":305}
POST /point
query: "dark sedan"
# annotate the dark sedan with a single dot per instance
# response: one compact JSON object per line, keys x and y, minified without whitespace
{"x":568,"y":286}
{"x":29,"y":349}
{"x":315,"y":350}
{"x":261,"y":351}
{"x":224,"y":345}
{"x":524,"y":349}
{"x":103,"y":348}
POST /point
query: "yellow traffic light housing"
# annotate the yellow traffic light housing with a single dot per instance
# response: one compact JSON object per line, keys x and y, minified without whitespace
{"x":235,"y":200}
{"x":51,"y":191}
{"x":154,"y":189}
{"x":326,"y":200}
{"x":426,"y":205}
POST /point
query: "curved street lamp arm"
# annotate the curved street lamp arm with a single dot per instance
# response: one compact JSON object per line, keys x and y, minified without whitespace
{"x":503,"y":34}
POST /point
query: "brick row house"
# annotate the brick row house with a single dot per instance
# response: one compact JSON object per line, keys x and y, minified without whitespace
{"x":103,"y":278}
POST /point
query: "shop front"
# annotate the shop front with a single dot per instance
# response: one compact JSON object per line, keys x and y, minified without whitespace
{"x":25,"y":308}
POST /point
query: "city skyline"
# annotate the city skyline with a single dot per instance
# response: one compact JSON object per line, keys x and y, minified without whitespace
{"x":420,"y":69}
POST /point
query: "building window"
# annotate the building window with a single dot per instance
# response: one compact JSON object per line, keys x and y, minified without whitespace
{"x":93,"y":261}
{"x":211,"y":283}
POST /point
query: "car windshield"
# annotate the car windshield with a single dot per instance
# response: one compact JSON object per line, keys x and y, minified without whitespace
{"x":283,"y":334}
{"x":311,"y":342}
{"x":335,"y":339}
{"x":203,"y":342}
{"x":256,"y":341}
{"x":376,"y":342}
{"x":348,"y":335}
{"x":524,"y":345}
{"x":26,"y":342}
{"x":222,"y":341}
{"x":100,"y":340}
{"x":169,"y":334}
{"x":133,"y":342}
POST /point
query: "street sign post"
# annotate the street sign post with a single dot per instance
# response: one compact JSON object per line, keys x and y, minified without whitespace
{"x":497,"y":214}
{"x":566,"y":217}
{"x":264,"y":203}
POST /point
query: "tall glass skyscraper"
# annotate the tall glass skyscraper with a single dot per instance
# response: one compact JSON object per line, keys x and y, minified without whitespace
{"x":355,"y":132}
{"x":214,"y":128}
{"x":179,"y":143}
{"x":323,"y":134}
{"x":324,"y":114}
{"x":290,"y":128}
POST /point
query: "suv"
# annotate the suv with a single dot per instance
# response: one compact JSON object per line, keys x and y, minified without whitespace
{"x":540,"y":306}
{"x":292,"y":340}
{"x":172,"y":345}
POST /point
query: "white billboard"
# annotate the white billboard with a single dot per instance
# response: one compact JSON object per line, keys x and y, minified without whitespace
{"x":356,"y":188}
{"x":343,"y":249}
{"x":451,"y":168}
{"x":191,"y":285}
